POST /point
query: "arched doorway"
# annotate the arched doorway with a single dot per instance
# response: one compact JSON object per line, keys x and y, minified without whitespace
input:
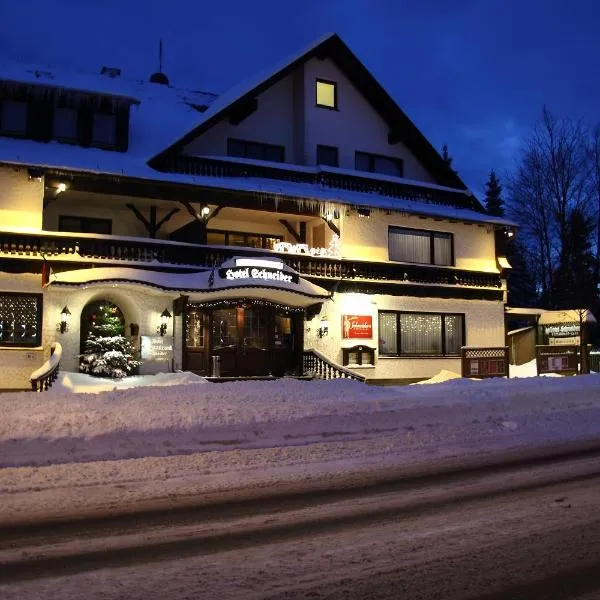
{"x":91,"y":312}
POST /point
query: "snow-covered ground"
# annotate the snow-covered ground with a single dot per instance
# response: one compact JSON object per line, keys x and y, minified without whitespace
{"x":171,"y":436}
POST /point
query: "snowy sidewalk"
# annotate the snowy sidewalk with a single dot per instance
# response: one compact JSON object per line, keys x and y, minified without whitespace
{"x":124,"y":450}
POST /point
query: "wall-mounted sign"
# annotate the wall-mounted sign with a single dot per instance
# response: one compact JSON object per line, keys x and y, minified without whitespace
{"x":264,"y":274}
{"x":156,"y":347}
{"x":357,"y":326}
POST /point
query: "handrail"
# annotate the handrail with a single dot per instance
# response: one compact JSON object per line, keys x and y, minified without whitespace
{"x":44,"y":377}
{"x":324,"y":368}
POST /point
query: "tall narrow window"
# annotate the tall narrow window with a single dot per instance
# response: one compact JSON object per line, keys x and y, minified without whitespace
{"x":65,"y":124}
{"x":13,"y":117}
{"x":326,"y":92}
{"x":104,"y":130}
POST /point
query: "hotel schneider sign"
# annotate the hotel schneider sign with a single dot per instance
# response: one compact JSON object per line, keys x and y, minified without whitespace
{"x":258,"y":270}
{"x":565,"y":333}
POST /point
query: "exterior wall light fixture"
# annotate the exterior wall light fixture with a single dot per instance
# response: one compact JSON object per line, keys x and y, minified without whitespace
{"x":61,"y":187}
{"x":204,"y":212}
{"x":323,"y":327}
{"x":65,"y":317}
{"x":165,"y":317}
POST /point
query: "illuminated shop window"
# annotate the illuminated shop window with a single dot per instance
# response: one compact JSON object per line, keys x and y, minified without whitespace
{"x":420,"y":334}
{"x":20,"y":320}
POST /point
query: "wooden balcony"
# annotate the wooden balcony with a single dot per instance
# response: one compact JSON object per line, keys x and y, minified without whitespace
{"x":356,"y":182}
{"x":74,"y":250}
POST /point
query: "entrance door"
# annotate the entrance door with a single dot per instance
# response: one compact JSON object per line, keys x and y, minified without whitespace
{"x":250,"y":341}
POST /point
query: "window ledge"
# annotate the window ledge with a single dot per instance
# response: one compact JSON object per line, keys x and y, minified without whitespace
{"x":353,"y":366}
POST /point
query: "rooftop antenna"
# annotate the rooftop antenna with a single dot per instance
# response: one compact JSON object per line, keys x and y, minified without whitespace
{"x":159,"y":76}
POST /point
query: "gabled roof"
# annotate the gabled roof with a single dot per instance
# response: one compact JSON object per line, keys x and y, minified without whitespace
{"x":330,"y":46}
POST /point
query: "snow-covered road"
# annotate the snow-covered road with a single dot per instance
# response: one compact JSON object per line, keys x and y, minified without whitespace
{"x":512,"y":532}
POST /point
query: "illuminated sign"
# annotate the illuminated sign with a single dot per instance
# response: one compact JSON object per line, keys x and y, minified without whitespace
{"x":156,"y":347}
{"x":357,"y":326}
{"x":334,"y":249}
{"x":565,"y":330}
{"x":255,"y":273}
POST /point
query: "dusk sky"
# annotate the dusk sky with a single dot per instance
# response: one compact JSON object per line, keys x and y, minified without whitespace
{"x":473,"y":74}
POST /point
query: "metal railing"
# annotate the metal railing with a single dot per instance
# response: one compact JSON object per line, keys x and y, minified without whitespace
{"x":317,"y":364}
{"x":46,"y":375}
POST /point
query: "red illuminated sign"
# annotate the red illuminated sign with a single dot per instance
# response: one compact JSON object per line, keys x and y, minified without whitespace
{"x":357,"y":326}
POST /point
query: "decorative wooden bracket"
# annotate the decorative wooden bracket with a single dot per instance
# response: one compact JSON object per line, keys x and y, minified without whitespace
{"x":197,"y":216}
{"x":292,"y":231}
{"x":152,"y":225}
{"x":332,"y":226}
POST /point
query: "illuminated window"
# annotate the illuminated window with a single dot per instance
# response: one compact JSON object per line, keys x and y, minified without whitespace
{"x":326,"y":94}
{"x":20,"y":319}
{"x":420,"y":246}
{"x":420,"y":334}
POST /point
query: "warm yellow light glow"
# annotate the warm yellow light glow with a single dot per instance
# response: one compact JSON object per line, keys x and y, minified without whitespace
{"x":326,"y":94}
{"x":205,"y":211}
{"x":62,"y":187}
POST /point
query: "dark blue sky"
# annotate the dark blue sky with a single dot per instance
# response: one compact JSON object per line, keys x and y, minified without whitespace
{"x":470,"y":73}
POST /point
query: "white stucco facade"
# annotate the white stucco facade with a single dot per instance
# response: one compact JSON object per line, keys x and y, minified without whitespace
{"x":21,"y":199}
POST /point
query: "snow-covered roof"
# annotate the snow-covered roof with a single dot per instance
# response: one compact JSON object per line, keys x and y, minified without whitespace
{"x":157,"y":113}
{"x":207,"y":285}
{"x":574,"y":315}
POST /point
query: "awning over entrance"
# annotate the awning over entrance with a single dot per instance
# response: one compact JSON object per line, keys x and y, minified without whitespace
{"x":237,"y":277}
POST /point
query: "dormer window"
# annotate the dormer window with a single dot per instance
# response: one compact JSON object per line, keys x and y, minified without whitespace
{"x":13,"y":117}
{"x":65,"y":124}
{"x":104,"y":132}
{"x":326,"y":92}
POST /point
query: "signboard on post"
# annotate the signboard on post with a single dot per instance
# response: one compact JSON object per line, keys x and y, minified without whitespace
{"x":156,"y":353}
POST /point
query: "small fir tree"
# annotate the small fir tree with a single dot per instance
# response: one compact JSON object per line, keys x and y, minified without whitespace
{"x":107,"y":352}
{"x":493,"y":196}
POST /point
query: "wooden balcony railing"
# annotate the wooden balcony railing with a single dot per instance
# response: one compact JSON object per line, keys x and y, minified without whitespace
{"x":182,"y":256}
{"x":215,"y":167}
{"x":316,"y":364}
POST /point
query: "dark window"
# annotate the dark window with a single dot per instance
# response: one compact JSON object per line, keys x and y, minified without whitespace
{"x":84,"y":224}
{"x":327,"y":155}
{"x":20,"y":319}
{"x":420,"y":334}
{"x":65,"y":124}
{"x":13,"y":117}
{"x":326,"y":94}
{"x":104,"y":130}
{"x":420,"y":246}
{"x":217,"y":237}
{"x":255,"y":150}
{"x":374,"y":163}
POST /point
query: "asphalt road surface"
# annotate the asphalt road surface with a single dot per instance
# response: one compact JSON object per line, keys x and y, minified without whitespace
{"x":530,"y":532}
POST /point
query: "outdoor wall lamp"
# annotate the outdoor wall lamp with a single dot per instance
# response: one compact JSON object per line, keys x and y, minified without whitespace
{"x":323,"y":328}
{"x":65,"y":317}
{"x":204,"y":212}
{"x":165,"y":317}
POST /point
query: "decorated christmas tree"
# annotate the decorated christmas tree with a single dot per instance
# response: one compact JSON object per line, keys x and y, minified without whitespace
{"x":106,"y":351}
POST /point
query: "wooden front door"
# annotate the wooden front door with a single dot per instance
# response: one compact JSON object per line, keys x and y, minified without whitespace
{"x":250,"y":341}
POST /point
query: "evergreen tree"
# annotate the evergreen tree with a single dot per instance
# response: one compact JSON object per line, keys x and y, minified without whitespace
{"x":520,"y":279}
{"x":107,"y":352}
{"x":574,"y":278}
{"x":493,"y":196}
